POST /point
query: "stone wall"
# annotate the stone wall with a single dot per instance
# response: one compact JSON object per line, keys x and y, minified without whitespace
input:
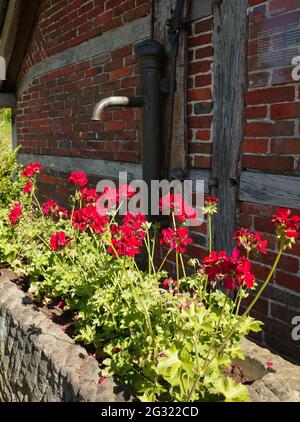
{"x":38,"y":362}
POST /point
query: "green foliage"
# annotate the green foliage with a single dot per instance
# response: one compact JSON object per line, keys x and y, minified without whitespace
{"x":163,"y":346}
{"x":9,"y":176}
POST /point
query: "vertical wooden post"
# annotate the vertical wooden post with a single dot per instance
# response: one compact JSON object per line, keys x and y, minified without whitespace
{"x":162,"y":12}
{"x":229,"y":85}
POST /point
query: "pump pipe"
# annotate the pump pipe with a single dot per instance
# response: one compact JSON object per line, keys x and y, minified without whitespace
{"x":116,"y":101}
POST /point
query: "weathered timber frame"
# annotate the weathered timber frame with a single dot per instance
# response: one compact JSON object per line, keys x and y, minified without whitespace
{"x":229,"y":81}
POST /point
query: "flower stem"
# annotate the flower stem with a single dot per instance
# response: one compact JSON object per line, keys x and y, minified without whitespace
{"x":182,"y":265}
{"x":206,"y":362}
{"x":210,"y":232}
{"x":164,"y":260}
{"x":230,"y":333}
{"x":258,"y":294}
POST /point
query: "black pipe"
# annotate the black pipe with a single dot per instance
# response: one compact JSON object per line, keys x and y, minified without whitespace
{"x":151,"y":55}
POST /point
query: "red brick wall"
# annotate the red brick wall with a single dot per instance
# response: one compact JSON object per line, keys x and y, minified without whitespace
{"x":54,"y":113}
{"x":272,"y":144}
{"x":65,"y":24}
{"x":199,"y":95}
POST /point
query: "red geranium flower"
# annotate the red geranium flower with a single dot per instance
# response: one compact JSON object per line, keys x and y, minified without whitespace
{"x":176,"y":239}
{"x":15,"y":213}
{"x":89,"y":195}
{"x":116,"y":195}
{"x":88,"y":217}
{"x":287,"y":227}
{"x":49,"y":206}
{"x":250,"y":241}
{"x":58,"y":241}
{"x":127,"y":239}
{"x":28,"y":187}
{"x":32,"y":169}
{"x":169,"y":283}
{"x":176,"y":204}
{"x":78,"y":178}
{"x":210,"y":205}
{"x":230,"y":272}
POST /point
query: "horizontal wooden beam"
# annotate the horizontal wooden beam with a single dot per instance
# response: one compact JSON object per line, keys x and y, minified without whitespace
{"x":261,"y":188}
{"x":270,"y":189}
{"x":8,"y":100}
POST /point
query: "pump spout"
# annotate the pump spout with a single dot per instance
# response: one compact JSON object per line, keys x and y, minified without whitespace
{"x":116,"y":101}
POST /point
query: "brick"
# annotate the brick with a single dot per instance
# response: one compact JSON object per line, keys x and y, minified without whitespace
{"x":199,"y":94}
{"x":276,"y":164}
{"x":203,"y":135}
{"x":115,"y":125}
{"x":286,"y":263}
{"x":203,"y":122}
{"x":203,"y":108}
{"x":261,"y":272}
{"x":201,"y":66}
{"x":290,"y":281}
{"x":270,"y":129}
{"x":275,"y":23}
{"x":255,"y":2}
{"x":282,"y":295}
{"x":104,"y":17}
{"x":278,"y":7}
{"x":202,"y":162}
{"x":204,"y":25}
{"x":122,"y":52}
{"x":270,"y":95}
{"x":203,"y":80}
{"x":199,"y":148}
{"x":256,"y":112}
{"x":121,"y":73}
{"x":204,"y":52}
{"x":286,"y":146}
{"x":285,"y":111}
{"x":255,"y":146}
{"x":200,"y":40}
{"x":138,"y":12}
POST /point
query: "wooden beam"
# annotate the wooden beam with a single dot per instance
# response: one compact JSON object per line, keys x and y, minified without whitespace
{"x":260,"y":188}
{"x":229,"y":80}
{"x":163,"y":10}
{"x":8,"y":100}
{"x":270,"y":189}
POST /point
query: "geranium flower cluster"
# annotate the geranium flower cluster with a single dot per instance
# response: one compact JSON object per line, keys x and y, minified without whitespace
{"x":127,"y":239}
{"x":32,"y":169}
{"x":230,"y":272}
{"x":58,"y":241}
{"x":15,"y":213}
{"x":88,"y":217}
{"x":176,"y":239}
{"x":287,"y":227}
{"x":52,"y":207}
{"x":174,"y":203}
{"x":210,"y":205}
{"x":252,"y":242}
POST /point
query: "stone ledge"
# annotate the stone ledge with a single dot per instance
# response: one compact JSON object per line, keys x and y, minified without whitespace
{"x":39,"y":362}
{"x":280,"y":384}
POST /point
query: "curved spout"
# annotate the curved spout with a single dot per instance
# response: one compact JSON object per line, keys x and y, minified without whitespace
{"x":110,"y":101}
